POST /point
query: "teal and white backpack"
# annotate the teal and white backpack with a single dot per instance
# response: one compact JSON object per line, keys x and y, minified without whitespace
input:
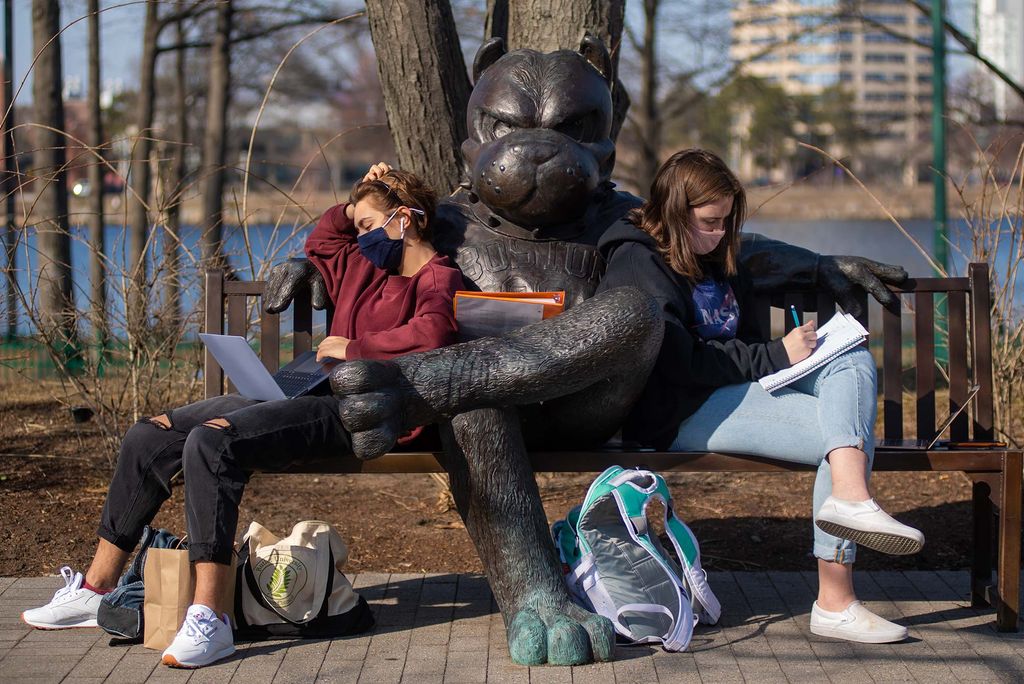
{"x":617,"y":567}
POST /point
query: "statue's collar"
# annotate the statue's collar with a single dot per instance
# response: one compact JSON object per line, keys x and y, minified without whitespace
{"x":502,"y":226}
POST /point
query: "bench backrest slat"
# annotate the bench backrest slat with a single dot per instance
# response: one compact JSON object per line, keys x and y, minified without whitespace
{"x":826,"y":306}
{"x":892,"y":372}
{"x":981,"y":350}
{"x":924,"y":345}
{"x":957,"y":317}
{"x":237,"y":319}
{"x":270,"y":340}
{"x":969,"y":342}
{"x":862,"y":299}
{"x":302,"y":323}
{"x":213,"y":378}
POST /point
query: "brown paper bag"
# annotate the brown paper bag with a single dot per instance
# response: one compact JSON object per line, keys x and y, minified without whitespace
{"x":170,"y":583}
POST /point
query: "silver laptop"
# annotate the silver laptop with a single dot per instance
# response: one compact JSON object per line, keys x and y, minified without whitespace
{"x":254,"y":381}
{"x":917,"y":444}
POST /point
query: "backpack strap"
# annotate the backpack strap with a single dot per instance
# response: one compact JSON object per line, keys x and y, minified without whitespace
{"x":685,"y":543}
{"x":566,"y":539}
{"x":643,"y":608}
{"x":633,"y":491}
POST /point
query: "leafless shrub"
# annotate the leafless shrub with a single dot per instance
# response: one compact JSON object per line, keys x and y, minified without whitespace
{"x":991,"y":209}
{"x":991,"y":198}
{"x":152,"y":362}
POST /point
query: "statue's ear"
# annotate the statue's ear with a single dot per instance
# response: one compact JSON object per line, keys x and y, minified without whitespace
{"x":489,"y":53}
{"x":593,"y":50}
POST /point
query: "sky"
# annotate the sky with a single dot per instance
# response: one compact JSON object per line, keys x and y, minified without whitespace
{"x":120,"y":41}
{"x":121,"y":38}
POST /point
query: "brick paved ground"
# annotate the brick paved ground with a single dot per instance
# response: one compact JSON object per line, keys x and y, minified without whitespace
{"x":444,"y":628}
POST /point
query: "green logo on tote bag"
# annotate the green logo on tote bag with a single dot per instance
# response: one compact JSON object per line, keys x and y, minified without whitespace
{"x":282,"y":578}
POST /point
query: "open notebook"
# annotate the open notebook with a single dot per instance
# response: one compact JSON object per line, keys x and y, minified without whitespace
{"x":842,"y":332}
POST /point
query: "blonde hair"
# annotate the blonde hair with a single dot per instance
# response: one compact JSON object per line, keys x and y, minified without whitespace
{"x":688,"y":179}
{"x":398,"y":188}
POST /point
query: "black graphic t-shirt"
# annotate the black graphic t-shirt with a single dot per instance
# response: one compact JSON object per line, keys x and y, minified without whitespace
{"x":715,"y":310}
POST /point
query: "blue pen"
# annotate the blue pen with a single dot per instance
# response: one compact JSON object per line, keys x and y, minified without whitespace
{"x":796,"y":319}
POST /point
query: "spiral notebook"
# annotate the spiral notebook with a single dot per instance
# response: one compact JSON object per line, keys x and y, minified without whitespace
{"x":841,"y":333}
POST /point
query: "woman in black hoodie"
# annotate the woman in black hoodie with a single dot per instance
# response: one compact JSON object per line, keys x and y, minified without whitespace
{"x":682,"y":247}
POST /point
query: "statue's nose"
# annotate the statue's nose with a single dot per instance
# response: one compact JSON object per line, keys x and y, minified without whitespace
{"x":538,"y":151}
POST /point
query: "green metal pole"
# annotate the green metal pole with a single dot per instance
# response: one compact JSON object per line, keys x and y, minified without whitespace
{"x":941,"y":250}
{"x":939,"y":129}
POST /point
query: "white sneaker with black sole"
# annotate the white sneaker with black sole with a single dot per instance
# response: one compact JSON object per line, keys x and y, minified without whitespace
{"x":71,"y":606}
{"x":202,"y":640}
{"x":865,"y":523}
{"x":855,"y":623}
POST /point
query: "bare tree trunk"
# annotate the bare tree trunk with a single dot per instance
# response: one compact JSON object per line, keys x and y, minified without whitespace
{"x":547,"y":25}
{"x":56,"y":301}
{"x":417,"y":44}
{"x":496,"y":24}
{"x":559,"y":24}
{"x":140,"y":174}
{"x":649,"y":119}
{"x":10,"y":179}
{"x":97,"y":253}
{"x":215,"y":139}
{"x":175,"y":179}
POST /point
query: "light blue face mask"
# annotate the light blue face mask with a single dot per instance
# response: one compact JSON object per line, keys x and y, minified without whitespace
{"x":380,"y":249}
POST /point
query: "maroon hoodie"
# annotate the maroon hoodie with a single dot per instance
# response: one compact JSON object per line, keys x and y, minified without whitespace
{"x":383,"y":315}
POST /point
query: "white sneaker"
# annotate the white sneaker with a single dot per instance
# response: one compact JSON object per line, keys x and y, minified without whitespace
{"x":71,"y":606}
{"x":202,"y":640}
{"x":865,"y":523}
{"x":855,"y":623}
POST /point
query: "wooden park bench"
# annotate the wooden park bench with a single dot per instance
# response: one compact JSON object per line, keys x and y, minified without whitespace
{"x":996,"y":473}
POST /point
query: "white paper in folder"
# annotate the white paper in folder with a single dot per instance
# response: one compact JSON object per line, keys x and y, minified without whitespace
{"x":482,"y":317}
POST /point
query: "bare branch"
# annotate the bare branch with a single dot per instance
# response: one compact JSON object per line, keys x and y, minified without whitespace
{"x":304,"y":20}
{"x":193,"y":10}
{"x":969,"y":45}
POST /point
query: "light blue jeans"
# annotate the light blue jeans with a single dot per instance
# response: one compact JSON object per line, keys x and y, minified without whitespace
{"x":832,"y":407}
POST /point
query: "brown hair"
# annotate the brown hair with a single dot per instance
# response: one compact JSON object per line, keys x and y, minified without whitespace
{"x":398,"y":188}
{"x":688,"y":179}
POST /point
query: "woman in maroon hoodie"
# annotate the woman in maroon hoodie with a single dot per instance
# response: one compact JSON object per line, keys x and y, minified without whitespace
{"x":392,"y":291}
{"x":392,"y":295}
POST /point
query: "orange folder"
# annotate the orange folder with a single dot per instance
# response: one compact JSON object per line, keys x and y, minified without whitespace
{"x":553,"y":302}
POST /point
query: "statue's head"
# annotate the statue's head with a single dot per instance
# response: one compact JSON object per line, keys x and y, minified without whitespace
{"x":540,"y":131}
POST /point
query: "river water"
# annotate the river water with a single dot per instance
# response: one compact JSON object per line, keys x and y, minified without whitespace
{"x":875,"y":239}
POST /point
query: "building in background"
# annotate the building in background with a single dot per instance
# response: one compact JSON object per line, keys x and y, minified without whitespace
{"x":1001,"y":39}
{"x":809,"y":46}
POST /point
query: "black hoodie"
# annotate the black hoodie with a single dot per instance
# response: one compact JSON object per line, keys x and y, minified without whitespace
{"x":688,"y":368}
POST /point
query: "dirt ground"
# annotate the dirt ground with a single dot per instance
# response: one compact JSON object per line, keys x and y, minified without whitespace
{"x":54,"y":474}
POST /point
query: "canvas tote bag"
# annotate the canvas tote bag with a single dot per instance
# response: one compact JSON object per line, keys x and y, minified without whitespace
{"x":294,"y":586}
{"x":170,"y":583}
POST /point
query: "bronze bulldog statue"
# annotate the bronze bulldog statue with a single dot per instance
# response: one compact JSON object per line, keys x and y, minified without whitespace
{"x":539,"y":158}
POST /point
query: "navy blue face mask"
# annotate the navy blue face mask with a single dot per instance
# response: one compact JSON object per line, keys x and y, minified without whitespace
{"x":379,"y":249}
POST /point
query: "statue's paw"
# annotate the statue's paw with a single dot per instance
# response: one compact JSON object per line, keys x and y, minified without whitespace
{"x":374,"y":421}
{"x":370,"y":444}
{"x":846,"y":276}
{"x":570,"y":636}
{"x":288,"y":279}
{"x":376,"y":405}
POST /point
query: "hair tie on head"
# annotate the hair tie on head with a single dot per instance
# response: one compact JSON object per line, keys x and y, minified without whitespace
{"x":392,"y":191}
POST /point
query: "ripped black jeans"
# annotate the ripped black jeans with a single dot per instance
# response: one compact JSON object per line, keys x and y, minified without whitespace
{"x":217,"y":463}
